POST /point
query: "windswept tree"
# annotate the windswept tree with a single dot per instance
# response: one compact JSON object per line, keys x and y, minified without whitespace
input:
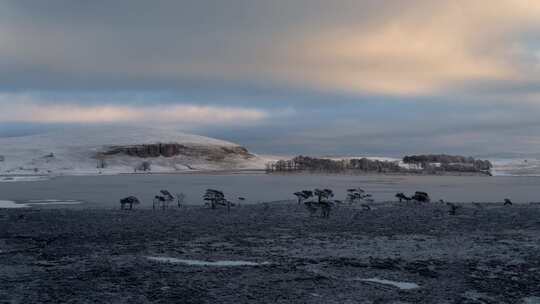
{"x":217,"y":198}
{"x":421,"y":197}
{"x":166,"y":194}
{"x":128,"y":201}
{"x":402,"y":197}
{"x":163,"y":198}
{"x":357,"y":194}
{"x":214,"y":198}
{"x":303,"y":195}
{"x":323,"y":194}
{"x":323,"y":203}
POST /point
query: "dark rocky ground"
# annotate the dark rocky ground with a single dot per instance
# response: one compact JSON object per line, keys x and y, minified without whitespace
{"x":484,"y":254}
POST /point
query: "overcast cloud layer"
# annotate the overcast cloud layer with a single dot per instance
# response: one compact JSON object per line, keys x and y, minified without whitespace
{"x":282,"y":76}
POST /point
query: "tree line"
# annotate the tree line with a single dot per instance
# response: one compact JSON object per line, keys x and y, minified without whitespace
{"x":423,"y":164}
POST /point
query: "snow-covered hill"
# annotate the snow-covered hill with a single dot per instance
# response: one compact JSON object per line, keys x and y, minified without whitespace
{"x":109,"y":150}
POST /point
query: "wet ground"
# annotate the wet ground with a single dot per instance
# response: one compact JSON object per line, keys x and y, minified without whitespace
{"x":272,"y":253}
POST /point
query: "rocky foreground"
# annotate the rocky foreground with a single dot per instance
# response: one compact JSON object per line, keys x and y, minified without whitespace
{"x":391,"y":254}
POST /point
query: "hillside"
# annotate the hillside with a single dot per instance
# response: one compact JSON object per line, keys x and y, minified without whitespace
{"x":104,"y":150}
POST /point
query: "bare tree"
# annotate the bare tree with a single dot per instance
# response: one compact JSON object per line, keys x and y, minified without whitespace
{"x":163,"y":199}
{"x":180,"y":197}
{"x":323,"y":194}
{"x":303,"y":195}
{"x":358,"y":194}
{"x":322,"y":202}
{"x":326,"y":207}
{"x":213,"y":197}
{"x":158,"y":201}
{"x":129,"y":201}
{"x":216,"y":198}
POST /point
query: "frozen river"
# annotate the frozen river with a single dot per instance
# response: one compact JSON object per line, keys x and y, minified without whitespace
{"x":105,"y":191}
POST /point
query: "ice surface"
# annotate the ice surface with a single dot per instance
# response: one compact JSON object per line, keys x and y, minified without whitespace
{"x":13,"y":179}
{"x":11,"y":204}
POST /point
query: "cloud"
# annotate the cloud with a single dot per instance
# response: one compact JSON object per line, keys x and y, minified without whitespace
{"x":351,"y":75}
{"x":430,"y":47}
{"x":417,"y":47}
{"x":23,"y":108}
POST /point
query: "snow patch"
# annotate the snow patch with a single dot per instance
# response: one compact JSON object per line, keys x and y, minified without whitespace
{"x":204,"y":263}
{"x":73,"y":152}
{"x":53,"y":202}
{"x":11,"y":205}
{"x":14,"y":179}
{"x":400,"y":285}
{"x":531,"y":300}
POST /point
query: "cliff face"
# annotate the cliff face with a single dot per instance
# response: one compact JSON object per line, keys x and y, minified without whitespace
{"x":212,"y":153}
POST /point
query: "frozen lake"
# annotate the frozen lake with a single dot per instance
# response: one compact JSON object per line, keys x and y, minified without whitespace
{"x":105,"y":191}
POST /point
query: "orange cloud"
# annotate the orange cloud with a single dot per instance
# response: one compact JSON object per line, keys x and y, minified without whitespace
{"x":428,"y":48}
{"x":190,"y":115}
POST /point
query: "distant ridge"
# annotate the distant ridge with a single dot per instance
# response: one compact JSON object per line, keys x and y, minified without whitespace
{"x":113,"y":150}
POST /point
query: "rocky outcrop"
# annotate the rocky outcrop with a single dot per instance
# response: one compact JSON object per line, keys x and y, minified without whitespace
{"x":209,"y":152}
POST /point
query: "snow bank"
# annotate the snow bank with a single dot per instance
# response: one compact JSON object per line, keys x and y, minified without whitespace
{"x":11,"y":204}
{"x":53,"y":202}
{"x":205,"y":263}
{"x":400,"y":285}
{"x":13,"y":179}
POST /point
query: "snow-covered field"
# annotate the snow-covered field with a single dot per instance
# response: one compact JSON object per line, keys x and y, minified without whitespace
{"x":73,"y":152}
{"x":272,"y":253}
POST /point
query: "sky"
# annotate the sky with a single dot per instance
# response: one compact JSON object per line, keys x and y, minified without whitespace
{"x":313,"y":77}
